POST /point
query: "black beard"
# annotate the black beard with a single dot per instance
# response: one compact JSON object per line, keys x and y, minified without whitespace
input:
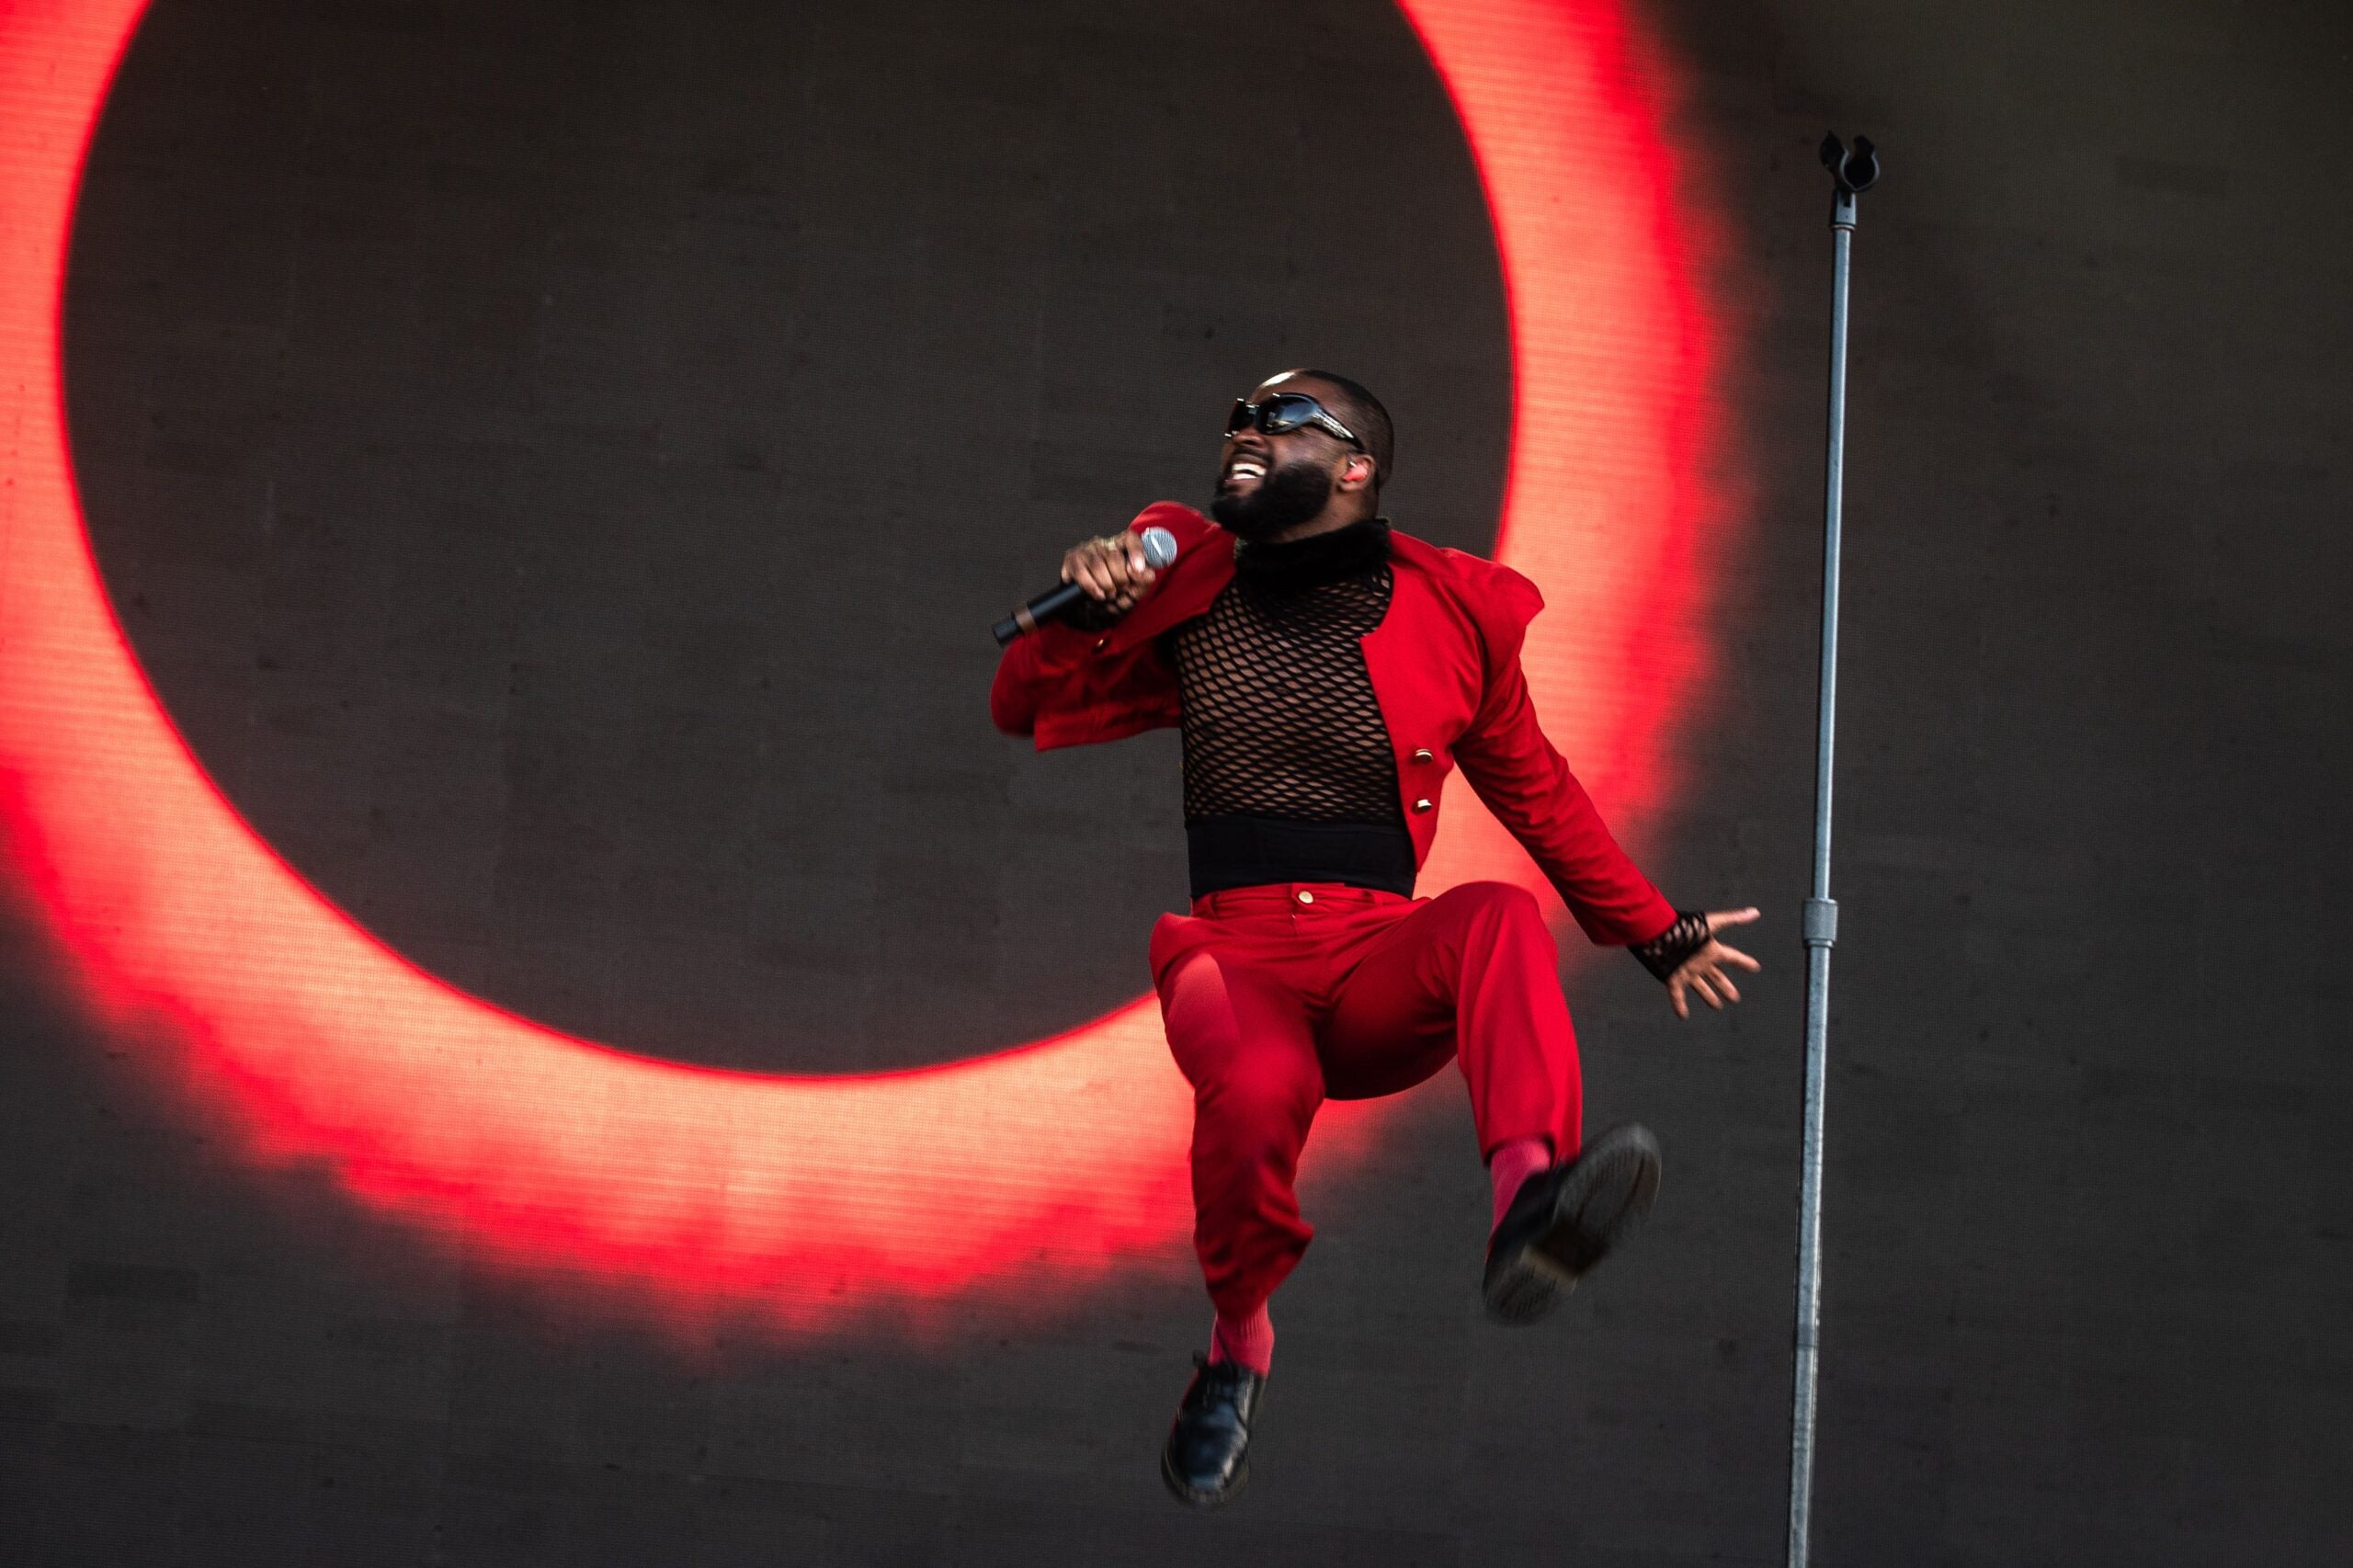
{"x":1287,"y":497}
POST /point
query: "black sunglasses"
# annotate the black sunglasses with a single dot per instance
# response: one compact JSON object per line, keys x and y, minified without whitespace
{"x":1285,"y":412}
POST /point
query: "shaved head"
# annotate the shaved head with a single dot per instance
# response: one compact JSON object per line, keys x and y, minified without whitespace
{"x":1303,"y":478}
{"x":1356,"y":407}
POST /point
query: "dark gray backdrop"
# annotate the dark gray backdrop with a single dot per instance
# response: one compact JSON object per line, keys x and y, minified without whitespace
{"x":555,"y":463}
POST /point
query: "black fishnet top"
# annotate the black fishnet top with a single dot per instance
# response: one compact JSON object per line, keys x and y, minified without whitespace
{"x":1289,"y":774}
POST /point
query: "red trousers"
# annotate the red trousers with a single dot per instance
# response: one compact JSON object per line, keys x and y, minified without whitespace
{"x":1279,"y":997}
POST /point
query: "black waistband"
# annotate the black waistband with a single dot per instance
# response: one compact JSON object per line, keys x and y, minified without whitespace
{"x":1245,"y":851}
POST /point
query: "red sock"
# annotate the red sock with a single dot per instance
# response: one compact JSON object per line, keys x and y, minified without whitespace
{"x":1250,"y":1340}
{"x":1512,"y":1164}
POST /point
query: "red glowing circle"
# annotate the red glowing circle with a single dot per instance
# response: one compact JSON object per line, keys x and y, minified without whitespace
{"x":281,"y":1023}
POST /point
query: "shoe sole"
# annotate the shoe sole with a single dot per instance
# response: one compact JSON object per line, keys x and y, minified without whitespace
{"x":1192,"y":1499}
{"x":1609,"y":1192}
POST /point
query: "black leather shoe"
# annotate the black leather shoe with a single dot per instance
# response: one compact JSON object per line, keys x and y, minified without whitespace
{"x":1208,"y":1456}
{"x":1566,"y":1220}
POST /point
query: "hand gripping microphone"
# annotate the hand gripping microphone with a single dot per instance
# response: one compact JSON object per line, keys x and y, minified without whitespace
{"x":1159,"y":551}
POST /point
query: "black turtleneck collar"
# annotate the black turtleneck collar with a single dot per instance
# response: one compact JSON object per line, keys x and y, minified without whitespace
{"x":1319,"y":557}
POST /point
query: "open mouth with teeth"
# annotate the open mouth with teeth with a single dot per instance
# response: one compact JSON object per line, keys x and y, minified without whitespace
{"x":1243,"y":470}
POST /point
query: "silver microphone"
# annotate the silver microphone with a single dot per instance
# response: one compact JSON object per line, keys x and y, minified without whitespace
{"x":1159,"y":551}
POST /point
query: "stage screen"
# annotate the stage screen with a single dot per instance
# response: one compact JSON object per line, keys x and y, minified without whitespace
{"x":550,"y":1027}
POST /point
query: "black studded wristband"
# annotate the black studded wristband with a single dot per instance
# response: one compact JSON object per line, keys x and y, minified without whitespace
{"x":1664,"y":953}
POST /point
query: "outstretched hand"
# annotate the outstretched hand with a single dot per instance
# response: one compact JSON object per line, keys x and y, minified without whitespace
{"x":1704,"y":971}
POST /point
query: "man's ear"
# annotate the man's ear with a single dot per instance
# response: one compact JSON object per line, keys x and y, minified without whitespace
{"x":1357,"y":472}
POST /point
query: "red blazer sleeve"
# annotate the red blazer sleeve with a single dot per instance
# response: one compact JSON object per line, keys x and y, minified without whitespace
{"x":1527,"y":785}
{"x":1059,"y":687}
{"x":1037,"y":673}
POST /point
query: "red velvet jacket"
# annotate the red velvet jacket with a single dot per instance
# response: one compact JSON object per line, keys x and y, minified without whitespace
{"x":1445,"y":668}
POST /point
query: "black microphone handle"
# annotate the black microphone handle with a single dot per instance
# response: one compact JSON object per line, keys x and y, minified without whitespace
{"x":1159,"y":548}
{"x":1046,"y":606}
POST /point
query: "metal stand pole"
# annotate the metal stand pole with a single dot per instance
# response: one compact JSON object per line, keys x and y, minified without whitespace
{"x":1854,"y":172}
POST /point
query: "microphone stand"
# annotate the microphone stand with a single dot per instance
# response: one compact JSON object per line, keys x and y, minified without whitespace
{"x":1854,"y":172}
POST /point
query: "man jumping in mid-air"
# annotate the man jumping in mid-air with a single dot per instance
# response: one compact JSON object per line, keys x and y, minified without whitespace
{"x":1327,"y":674}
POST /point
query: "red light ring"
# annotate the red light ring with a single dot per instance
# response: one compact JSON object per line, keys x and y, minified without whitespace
{"x":800,"y":1198}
